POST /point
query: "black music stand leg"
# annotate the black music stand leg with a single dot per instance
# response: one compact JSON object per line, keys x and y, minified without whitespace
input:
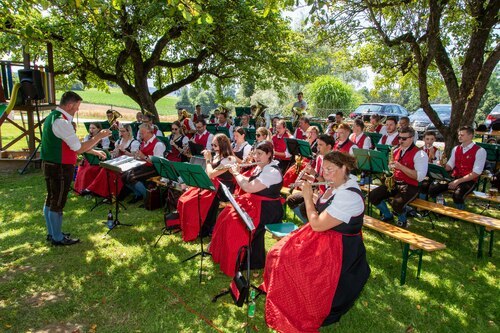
{"x":202,"y":252}
{"x":117,"y":222}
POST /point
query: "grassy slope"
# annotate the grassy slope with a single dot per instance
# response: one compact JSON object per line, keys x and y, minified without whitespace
{"x":165,"y":106}
{"x":123,"y":284}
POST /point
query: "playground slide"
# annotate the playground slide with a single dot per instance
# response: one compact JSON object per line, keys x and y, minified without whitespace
{"x":6,"y":108}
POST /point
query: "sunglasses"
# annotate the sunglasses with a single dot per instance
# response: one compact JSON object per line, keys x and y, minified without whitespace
{"x":403,"y":138}
{"x":257,"y":135}
{"x":175,"y":129}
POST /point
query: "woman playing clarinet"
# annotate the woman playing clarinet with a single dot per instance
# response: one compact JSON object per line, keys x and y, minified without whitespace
{"x":303,"y":297}
{"x":178,"y":144}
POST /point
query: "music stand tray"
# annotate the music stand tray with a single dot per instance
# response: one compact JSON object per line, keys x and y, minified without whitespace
{"x":195,"y":176}
{"x":299,"y":147}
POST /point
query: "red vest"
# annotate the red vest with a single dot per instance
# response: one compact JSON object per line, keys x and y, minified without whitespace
{"x":319,"y":169}
{"x":202,"y":139}
{"x":149,"y":149}
{"x":300,"y":134}
{"x":464,"y":162}
{"x":185,"y":122}
{"x":68,"y":156}
{"x":360,"y":143}
{"x":343,"y":147}
{"x":378,"y":128}
{"x":384,"y":140}
{"x":226,"y":125}
{"x":280,"y":145}
{"x":407,"y":161}
{"x":432,"y":150}
{"x":195,"y":117}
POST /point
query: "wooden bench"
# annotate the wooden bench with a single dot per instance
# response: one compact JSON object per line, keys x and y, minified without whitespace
{"x":413,"y":243}
{"x":486,"y":224}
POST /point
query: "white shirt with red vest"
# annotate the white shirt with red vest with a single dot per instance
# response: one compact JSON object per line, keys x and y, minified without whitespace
{"x":63,"y":129}
{"x":436,"y":152}
{"x":280,"y":145}
{"x":464,"y":160}
{"x":204,"y":139}
{"x":363,"y":141}
{"x":413,"y":158}
{"x":389,"y":139}
{"x":345,"y":147}
{"x":299,"y":134}
{"x":153,"y":147}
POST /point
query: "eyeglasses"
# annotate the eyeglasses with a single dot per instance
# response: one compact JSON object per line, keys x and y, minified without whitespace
{"x":175,"y":129}
{"x":257,"y":135}
{"x":214,"y":145}
{"x":403,"y":138}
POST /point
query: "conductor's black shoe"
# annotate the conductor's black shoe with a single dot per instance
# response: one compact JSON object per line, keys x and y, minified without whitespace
{"x":65,"y":241}
{"x":85,"y":192}
{"x":49,"y":237}
{"x":135,"y":199}
{"x":387,"y":219}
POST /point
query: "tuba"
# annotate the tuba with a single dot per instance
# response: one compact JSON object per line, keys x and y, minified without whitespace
{"x":112,"y":122}
{"x":259,"y":115}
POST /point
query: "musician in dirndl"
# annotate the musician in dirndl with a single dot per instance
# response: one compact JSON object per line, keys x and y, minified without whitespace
{"x":150,"y":146}
{"x":178,"y":144}
{"x":261,"y":200}
{"x":241,"y":147}
{"x":314,"y":275}
{"x":281,"y":153}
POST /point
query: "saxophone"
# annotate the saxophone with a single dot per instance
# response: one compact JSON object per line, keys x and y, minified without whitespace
{"x":444,"y":159}
{"x":389,"y":177}
{"x":298,"y":164}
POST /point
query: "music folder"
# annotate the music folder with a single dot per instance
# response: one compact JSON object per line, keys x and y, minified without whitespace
{"x":196,"y":148}
{"x":244,"y":216}
{"x":121,"y":164}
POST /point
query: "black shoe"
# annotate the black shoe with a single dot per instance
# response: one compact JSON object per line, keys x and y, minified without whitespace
{"x":402,"y":224}
{"x":387,"y":219}
{"x":49,"y":237}
{"x":412,"y":212}
{"x":85,"y":192}
{"x":135,"y":199}
{"x":65,"y":241}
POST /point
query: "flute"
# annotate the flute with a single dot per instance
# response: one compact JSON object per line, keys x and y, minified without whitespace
{"x":297,"y":184}
{"x":242,"y":165}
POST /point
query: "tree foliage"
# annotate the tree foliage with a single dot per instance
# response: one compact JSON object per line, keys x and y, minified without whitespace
{"x":452,"y":41}
{"x":173,"y":42}
{"x":328,"y":92}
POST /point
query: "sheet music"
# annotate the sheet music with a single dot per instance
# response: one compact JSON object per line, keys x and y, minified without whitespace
{"x":121,"y":164}
{"x":244,"y":216}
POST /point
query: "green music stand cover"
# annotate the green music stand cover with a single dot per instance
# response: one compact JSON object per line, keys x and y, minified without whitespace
{"x":241,"y":110}
{"x":374,"y":136}
{"x":438,"y":172}
{"x":165,"y":168}
{"x":289,"y":125}
{"x":250,"y":133}
{"x":164,"y":127}
{"x":211,"y":128}
{"x":193,"y":175}
{"x":318,"y":125}
{"x":299,"y":147}
{"x":492,"y":151}
{"x":371,"y":160}
{"x":223,"y":130}
{"x":94,"y":160}
{"x":386,"y":149}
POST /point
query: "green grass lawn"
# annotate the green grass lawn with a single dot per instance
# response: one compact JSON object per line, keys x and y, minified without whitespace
{"x":165,"y":106}
{"x":121,"y":283}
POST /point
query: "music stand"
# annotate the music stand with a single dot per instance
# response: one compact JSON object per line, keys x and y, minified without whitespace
{"x":439,"y":173}
{"x":94,"y":160}
{"x":247,"y":220}
{"x":165,"y":170}
{"x":371,"y":161}
{"x":195,"y":176}
{"x":119,"y":165}
{"x":299,"y":147}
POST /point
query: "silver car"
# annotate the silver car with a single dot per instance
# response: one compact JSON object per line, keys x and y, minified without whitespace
{"x":494,"y":115}
{"x":421,"y":122}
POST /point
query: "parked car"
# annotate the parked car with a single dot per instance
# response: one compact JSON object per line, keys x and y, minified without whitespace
{"x":421,"y":122}
{"x":382,"y":109}
{"x":494,"y":115}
